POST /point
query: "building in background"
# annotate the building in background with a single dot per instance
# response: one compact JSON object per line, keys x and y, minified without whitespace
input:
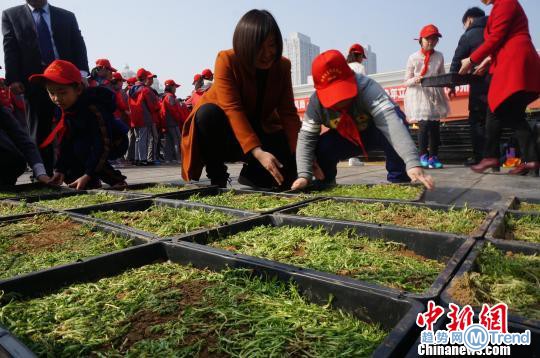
{"x":127,"y":73}
{"x":299,"y":49}
{"x":370,"y":63}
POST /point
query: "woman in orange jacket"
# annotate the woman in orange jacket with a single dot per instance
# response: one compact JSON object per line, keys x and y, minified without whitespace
{"x":248,"y":114}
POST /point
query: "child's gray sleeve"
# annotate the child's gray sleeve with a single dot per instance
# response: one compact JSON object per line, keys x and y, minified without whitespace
{"x":308,"y":138}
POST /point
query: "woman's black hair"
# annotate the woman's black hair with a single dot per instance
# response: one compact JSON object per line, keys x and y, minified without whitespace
{"x":168,"y":89}
{"x":352,"y":57}
{"x":250,"y":33}
{"x":473,"y":12}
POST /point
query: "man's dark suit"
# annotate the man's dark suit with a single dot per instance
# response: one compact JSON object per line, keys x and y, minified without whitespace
{"x":23,"y":58}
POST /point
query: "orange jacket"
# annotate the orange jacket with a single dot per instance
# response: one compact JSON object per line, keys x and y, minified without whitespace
{"x":235,"y":91}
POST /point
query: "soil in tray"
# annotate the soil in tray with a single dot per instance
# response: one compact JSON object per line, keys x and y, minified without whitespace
{"x":8,"y":209}
{"x":170,"y":310}
{"x":44,"y":241}
{"x":386,"y":263}
{"x":166,"y":221}
{"x":159,"y":189}
{"x":502,"y":277}
{"x":378,"y":191}
{"x":456,"y":221}
{"x":32,"y":192}
{"x":253,"y":202}
{"x":526,"y":228}
{"x":524,"y":206}
{"x":78,"y":201}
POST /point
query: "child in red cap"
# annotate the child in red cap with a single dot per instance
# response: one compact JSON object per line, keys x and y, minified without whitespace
{"x":426,"y":105}
{"x":173,"y":116}
{"x":101,"y":75}
{"x":355,"y":57}
{"x":359,"y":114}
{"x":87,"y":133}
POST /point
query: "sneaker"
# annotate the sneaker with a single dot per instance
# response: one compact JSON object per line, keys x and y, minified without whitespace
{"x":424,"y":161}
{"x":434,"y":163}
{"x":355,"y":162}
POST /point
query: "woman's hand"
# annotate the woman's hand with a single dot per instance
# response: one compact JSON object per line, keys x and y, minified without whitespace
{"x":299,"y":184}
{"x":483,"y":67}
{"x":417,"y":175}
{"x":417,"y":80}
{"x":80,"y":183}
{"x":269,"y":162}
{"x":317,"y":171}
{"x":466,"y":66}
{"x":57,"y":179}
{"x":44,"y":179}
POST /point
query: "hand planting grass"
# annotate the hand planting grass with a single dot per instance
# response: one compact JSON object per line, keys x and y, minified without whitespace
{"x":526,"y":228}
{"x":79,"y":201}
{"x":457,"y":221}
{"x":44,"y":241}
{"x":502,"y":277}
{"x":253,"y":202}
{"x":159,"y":189}
{"x":169,"y":310}
{"x":377,"y":191}
{"x":385,"y":263}
{"x":166,"y":221}
{"x":8,"y":209}
{"x":26,"y":193}
{"x":523,"y":206}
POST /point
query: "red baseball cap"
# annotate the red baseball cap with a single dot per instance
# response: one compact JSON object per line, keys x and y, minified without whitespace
{"x":142,"y":73}
{"x":103,"y":62}
{"x":207,"y":73}
{"x":429,"y":30}
{"x":131,"y":81}
{"x":357,"y":48}
{"x":196,"y":78}
{"x":59,"y":71}
{"x":333,"y":78}
{"x":171,"y":83}
{"x":117,"y":76}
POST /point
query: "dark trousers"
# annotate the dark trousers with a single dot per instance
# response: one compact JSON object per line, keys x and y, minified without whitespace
{"x":477,"y":122}
{"x":332,"y":148}
{"x":218,"y":145}
{"x":429,"y":133}
{"x":511,"y":113}
{"x":12,"y":160}
{"x":40,"y":113}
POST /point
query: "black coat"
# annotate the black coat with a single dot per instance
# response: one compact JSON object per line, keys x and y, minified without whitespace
{"x":22,"y":56}
{"x":470,"y":41}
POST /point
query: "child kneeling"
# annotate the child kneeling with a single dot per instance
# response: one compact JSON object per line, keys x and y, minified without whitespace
{"x":88,"y":134}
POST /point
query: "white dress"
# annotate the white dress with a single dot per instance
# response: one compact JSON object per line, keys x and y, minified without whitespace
{"x":424,"y":103}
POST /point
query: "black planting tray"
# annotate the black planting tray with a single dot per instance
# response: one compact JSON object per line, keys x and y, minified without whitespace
{"x":184,"y":195}
{"x":469,"y":265}
{"x":96,"y":226}
{"x":515,"y":202}
{"x":447,"y":248}
{"x":143,"y":204}
{"x":11,"y":347}
{"x":18,"y":190}
{"x":36,"y":199}
{"x":478,"y":233}
{"x":316,"y":191}
{"x":393,"y":313}
{"x":497,"y":229}
{"x":190,"y":188}
{"x":448,"y":80}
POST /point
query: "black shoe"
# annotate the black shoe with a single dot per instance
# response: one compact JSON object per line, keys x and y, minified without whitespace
{"x":471,"y":161}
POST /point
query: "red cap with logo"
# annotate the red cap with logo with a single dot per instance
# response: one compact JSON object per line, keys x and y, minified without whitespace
{"x":142,"y":73}
{"x":207,"y":73}
{"x":131,"y":81}
{"x":196,"y":78}
{"x":117,"y":76}
{"x":59,"y":71}
{"x":333,"y":78}
{"x":429,"y":30}
{"x":103,"y":62}
{"x":357,"y":48}
{"x":171,"y":83}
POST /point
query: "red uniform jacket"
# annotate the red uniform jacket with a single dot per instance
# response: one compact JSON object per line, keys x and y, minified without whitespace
{"x":122,"y":107}
{"x":144,"y":106}
{"x":172,"y":113}
{"x":516,"y":64}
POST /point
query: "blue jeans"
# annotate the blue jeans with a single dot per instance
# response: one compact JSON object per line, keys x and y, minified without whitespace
{"x":332,"y":148}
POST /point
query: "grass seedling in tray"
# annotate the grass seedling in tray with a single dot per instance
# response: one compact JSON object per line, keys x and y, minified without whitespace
{"x":9,"y":209}
{"x":386,"y":263}
{"x":456,"y":221}
{"x":508,"y":277}
{"x":78,"y":201}
{"x":524,"y":206}
{"x":377,"y":191}
{"x":159,"y":189}
{"x":252,"y":202}
{"x":169,"y":310}
{"x":166,"y":221}
{"x":26,"y":193}
{"x":43,"y":241}
{"x":525,"y":228}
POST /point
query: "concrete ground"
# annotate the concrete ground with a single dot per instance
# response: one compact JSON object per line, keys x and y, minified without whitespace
{"x":454,"y":184}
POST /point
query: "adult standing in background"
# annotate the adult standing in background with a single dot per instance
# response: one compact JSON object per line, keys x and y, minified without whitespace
{"x":35,"y":34}
{"x":514,"y":66}
{"x":355,"y":57}
{"x":474,"y":21}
